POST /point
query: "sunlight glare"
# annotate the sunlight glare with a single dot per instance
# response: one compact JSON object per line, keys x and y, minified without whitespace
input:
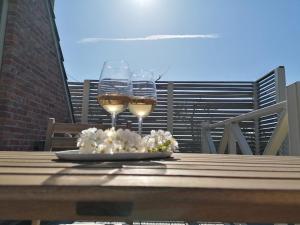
{"x":144,"y":3}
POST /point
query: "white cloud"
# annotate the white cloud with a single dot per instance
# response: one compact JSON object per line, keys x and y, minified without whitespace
{"x":152,"y":38}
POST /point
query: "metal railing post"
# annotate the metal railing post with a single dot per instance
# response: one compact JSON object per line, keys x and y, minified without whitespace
{"x":280,"y":88}
{"x":256,"y":120}
{"x":293,"y":108}
{"x":280,"y":84}
{"x":170,"y":107}
{"x":85,"y":101}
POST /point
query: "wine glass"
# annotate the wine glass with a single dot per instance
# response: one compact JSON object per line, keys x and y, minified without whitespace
{"x":143,"y":98}
{"x":114,"y":88}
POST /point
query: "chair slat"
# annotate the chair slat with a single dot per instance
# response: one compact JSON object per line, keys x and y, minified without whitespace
{"x":64,"y":142}
{"x":73,"y":128}
{"x":62,"y":135}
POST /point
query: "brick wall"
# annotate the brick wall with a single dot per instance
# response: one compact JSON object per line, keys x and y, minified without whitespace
{"x":32,"y":80}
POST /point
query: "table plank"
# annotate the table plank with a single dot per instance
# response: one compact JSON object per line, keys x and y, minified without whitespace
{"x":227,"y":188}
{"x":177,"y":156}
{"x":149,"y":166}
{"x":150,"y":172}
{"x":241,"y":165}
{"x":209,"y":205}
{"x":190,"y":158}
{"x":150,"y":181}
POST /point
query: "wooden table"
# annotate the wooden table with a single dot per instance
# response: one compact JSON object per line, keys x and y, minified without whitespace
{"x":188,"y":187}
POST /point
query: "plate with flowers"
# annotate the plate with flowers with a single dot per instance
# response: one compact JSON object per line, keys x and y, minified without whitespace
{"x":110,"y":145}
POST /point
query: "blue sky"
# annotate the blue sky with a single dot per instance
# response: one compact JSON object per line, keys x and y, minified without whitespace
{"x":229,"y":39}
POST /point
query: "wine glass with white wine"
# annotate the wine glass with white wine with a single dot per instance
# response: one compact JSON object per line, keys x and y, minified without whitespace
{"x":114,"y":88}
{"x":143,"y":99}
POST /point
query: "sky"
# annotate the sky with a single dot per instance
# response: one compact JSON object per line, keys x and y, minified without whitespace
{"x":187,"y":40}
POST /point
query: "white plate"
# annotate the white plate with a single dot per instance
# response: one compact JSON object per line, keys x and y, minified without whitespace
{"x":77,"y":156}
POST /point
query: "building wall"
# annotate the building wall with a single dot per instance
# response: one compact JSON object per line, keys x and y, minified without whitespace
{"x":32,"y":79}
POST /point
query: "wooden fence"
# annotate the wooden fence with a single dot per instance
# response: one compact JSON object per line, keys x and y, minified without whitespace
{"x":183,"y":106}
{"x":270,"y":89}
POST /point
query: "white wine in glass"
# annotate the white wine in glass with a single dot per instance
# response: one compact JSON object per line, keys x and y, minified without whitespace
{"x":141,"y":106}
{"x":114,"y":88}
{"x":143,"y":99}
{"x":113,"y":103}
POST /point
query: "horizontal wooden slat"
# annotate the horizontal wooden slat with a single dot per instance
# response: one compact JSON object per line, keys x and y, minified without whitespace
{"x":266,"y":97}
{"x":153,"y":172}
{"x":266,"y":76}
{"x":267,"y":84}
{"x":149,"y":181}
{"x":64,"y":142}
{"x":74,"y":128}
{"x":219,"y":158}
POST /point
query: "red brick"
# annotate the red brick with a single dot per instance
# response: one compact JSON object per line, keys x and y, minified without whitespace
{"x":31,"y":84}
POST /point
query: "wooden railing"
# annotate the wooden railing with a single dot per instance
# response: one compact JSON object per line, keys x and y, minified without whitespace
{"x":234,"y":142}
{"x":233,"y":134}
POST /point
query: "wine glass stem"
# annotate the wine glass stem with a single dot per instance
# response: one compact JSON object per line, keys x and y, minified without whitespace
{"x":140,"y":125}
{"x":113,"y":120}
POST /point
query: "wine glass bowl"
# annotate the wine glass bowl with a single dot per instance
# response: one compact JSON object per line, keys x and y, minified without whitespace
{"x":143,"y":99}
{"x":141,"y":106}
{"x":114,"y":87}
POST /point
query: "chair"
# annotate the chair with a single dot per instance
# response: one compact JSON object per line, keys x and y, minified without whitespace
{"x":60,"y":136}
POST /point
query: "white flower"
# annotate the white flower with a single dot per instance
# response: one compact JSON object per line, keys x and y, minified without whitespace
{"x":87,"y":140}
{"x":160,"y":141}
{"x":111,"y":141}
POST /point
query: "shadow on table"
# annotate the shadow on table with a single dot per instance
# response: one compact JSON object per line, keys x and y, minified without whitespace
{"x":27,"y":222}
{"x":107,"y":170}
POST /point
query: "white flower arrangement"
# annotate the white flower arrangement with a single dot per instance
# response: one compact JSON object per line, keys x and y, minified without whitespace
{"x":160,"y":141}
{"x":117,"y":141}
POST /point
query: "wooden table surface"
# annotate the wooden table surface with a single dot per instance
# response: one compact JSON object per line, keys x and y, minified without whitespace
{"x":187,"y":187}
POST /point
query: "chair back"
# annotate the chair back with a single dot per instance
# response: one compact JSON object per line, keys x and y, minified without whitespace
{"x":60,"y":136}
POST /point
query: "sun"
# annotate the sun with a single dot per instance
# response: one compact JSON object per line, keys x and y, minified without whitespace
{"x":144,"y":3}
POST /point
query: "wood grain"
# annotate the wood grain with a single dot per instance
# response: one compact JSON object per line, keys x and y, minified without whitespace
{"x":227,"y":188}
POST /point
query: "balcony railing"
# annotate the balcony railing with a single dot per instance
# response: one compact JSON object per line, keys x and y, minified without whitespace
{"x":288,"y":113}
{"x":182,"y":107}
